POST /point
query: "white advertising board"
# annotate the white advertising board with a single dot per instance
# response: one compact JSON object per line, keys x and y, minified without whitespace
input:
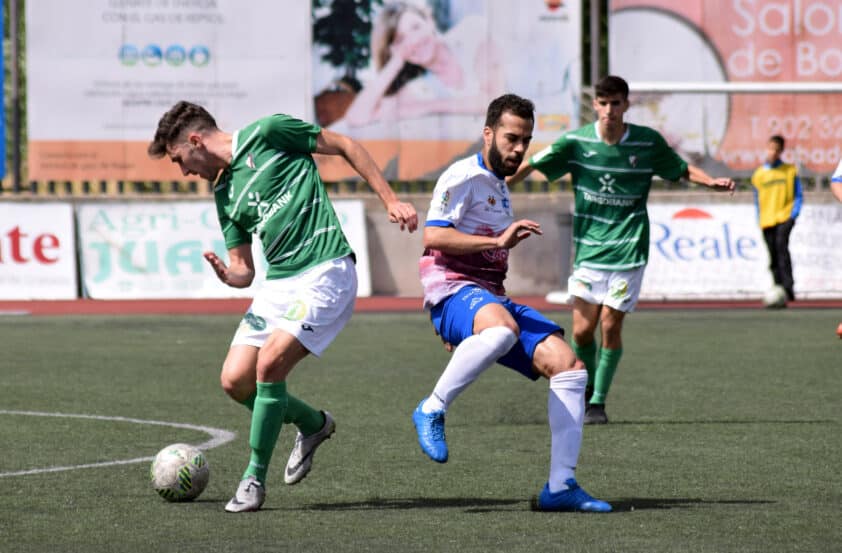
{"x":716,"y":251}
{"x":146,"y":250}
{"x":102,"y":72}
{"x":37,"y":252}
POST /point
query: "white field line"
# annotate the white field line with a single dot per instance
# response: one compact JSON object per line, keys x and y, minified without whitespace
{"x":218,"y":437}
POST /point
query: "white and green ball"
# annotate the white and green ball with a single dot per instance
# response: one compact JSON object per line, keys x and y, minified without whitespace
{"x":179,"y":472}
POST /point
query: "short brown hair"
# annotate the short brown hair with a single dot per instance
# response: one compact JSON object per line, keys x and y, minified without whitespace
{"x":181,"y":117}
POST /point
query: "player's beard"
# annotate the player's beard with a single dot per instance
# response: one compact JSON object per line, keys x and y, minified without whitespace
{"x":495,"y":159}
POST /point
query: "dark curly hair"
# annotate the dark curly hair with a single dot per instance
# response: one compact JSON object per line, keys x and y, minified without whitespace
{"x":513,"y":104}
{"x":181,"y":117}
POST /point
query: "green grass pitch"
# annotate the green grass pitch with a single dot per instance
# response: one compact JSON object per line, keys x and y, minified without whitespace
{"x":724,"y":437}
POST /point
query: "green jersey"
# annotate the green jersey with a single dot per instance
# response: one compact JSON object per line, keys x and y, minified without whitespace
{"x":272,"y":188}
{"x":611,"y":184}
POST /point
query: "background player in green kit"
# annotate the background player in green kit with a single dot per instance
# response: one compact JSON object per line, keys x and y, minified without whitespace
{"x":267,"y":184}
{"x":612,"y":164}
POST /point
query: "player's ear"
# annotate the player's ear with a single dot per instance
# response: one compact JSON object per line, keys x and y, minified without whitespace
{"x":194,"y":139}
{"x":488,"y":136}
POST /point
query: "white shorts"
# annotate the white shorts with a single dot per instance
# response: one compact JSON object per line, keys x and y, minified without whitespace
{"x":313,"y":306}
{"x":616,"y":289}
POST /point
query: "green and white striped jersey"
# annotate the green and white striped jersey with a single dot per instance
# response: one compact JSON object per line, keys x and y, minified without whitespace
{"x":272,"y":188}
{"x":611,"y":183}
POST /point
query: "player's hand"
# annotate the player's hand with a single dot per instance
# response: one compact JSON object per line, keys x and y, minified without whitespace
{"x":404,"y":214}
{"x":724,"y":182}
{"x":517,"y":232}
{"x":227,"y":276}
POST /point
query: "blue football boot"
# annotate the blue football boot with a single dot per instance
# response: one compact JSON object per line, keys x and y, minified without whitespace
{"x":430,"y":429}
{"x":573,"y":498}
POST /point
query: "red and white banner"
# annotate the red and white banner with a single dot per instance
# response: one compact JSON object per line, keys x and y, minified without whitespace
{"x":37,"y":251}
{"x":734,"y":41}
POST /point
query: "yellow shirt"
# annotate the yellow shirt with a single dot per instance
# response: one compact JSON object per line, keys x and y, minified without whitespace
{"x":777,"y":192}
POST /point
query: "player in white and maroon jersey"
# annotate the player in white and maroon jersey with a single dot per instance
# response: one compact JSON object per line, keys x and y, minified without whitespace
{"x":467,"y":237}
{"x":268,"y":185}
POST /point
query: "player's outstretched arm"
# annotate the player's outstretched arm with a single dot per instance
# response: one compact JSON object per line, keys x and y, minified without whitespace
{"x":455,"y":242}
{"x":333,"y":143}
{"x":697,"y":175}
{"x":240,"y":272}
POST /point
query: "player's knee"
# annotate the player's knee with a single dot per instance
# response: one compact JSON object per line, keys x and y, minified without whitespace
{"x":234,"y":385}
{"x":502,"y":338}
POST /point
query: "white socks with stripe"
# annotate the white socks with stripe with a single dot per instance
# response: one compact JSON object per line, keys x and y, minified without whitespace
{"x":566,"y":410}
{"x":475,"y":354}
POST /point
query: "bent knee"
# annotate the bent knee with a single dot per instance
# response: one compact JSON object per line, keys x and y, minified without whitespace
{"x":236,"y":386}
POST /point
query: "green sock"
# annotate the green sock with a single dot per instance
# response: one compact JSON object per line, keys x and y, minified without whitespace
{"x":266,"y":421}
{"x":308,"y":420}
{"x":588,"y":356}
{"x":248,"y":402}
{"x":608,"y":361}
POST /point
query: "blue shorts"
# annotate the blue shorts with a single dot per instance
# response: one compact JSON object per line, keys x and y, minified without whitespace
{"x":453,"y":319}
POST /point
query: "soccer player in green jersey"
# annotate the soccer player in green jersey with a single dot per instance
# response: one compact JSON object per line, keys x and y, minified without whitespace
{"x":612,"y":164}
{"x":267,"y":184}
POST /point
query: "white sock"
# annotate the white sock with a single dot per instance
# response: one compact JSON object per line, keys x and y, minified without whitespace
{"x":566,"y":410}
{"x":475,"y":354}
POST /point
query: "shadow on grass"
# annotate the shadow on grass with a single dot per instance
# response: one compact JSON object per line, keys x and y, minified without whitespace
{"x":656,"y":503}
{"x":735,"y":421}
{"x":469,"y":503}
{"x":481,"y":505}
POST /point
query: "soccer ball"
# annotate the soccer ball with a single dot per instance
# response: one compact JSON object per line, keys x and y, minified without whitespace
{"x":179,"y":472}
{"x":774,"y":297}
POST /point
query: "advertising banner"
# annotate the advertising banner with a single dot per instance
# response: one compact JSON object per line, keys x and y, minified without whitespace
{"x":412,"y":79}
{"x":37,"y":252}
{"x":734,"y":41}
{"x":102,"y":72}
{"x":149,"y":250}
{"x":716,"y":251}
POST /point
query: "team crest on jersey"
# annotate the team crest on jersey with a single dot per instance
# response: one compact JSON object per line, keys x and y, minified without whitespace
{"x":492,"y":201}
{"x":250,"y":162}
{"x":633,"y":160}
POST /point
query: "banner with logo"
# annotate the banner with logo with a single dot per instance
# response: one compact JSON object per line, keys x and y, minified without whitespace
{"x":716,"y":251}
{"x":102,"y":72}
{"x":37,"y":252}
{"x":145,"y":250}
{"x":412,"y":80}
{"x":734,"y":41}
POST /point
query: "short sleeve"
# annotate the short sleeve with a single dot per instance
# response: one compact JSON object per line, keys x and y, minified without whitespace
{"x":665,"y":162}
{"x":451,"y":198}
{"x":290,"y":134}
{"x":553,"y":160}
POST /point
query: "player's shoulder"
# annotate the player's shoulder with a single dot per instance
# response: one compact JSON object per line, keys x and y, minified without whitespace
{"x":642,"y":133}
{"x":461,"y":172}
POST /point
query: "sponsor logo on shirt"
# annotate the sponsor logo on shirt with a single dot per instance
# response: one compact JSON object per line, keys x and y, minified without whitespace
{"x":588,"y":154}
{"x":492,"y":201}
{"x":250,"y":162}
{"x":607,"y":182}
{"x":633,"y":160}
